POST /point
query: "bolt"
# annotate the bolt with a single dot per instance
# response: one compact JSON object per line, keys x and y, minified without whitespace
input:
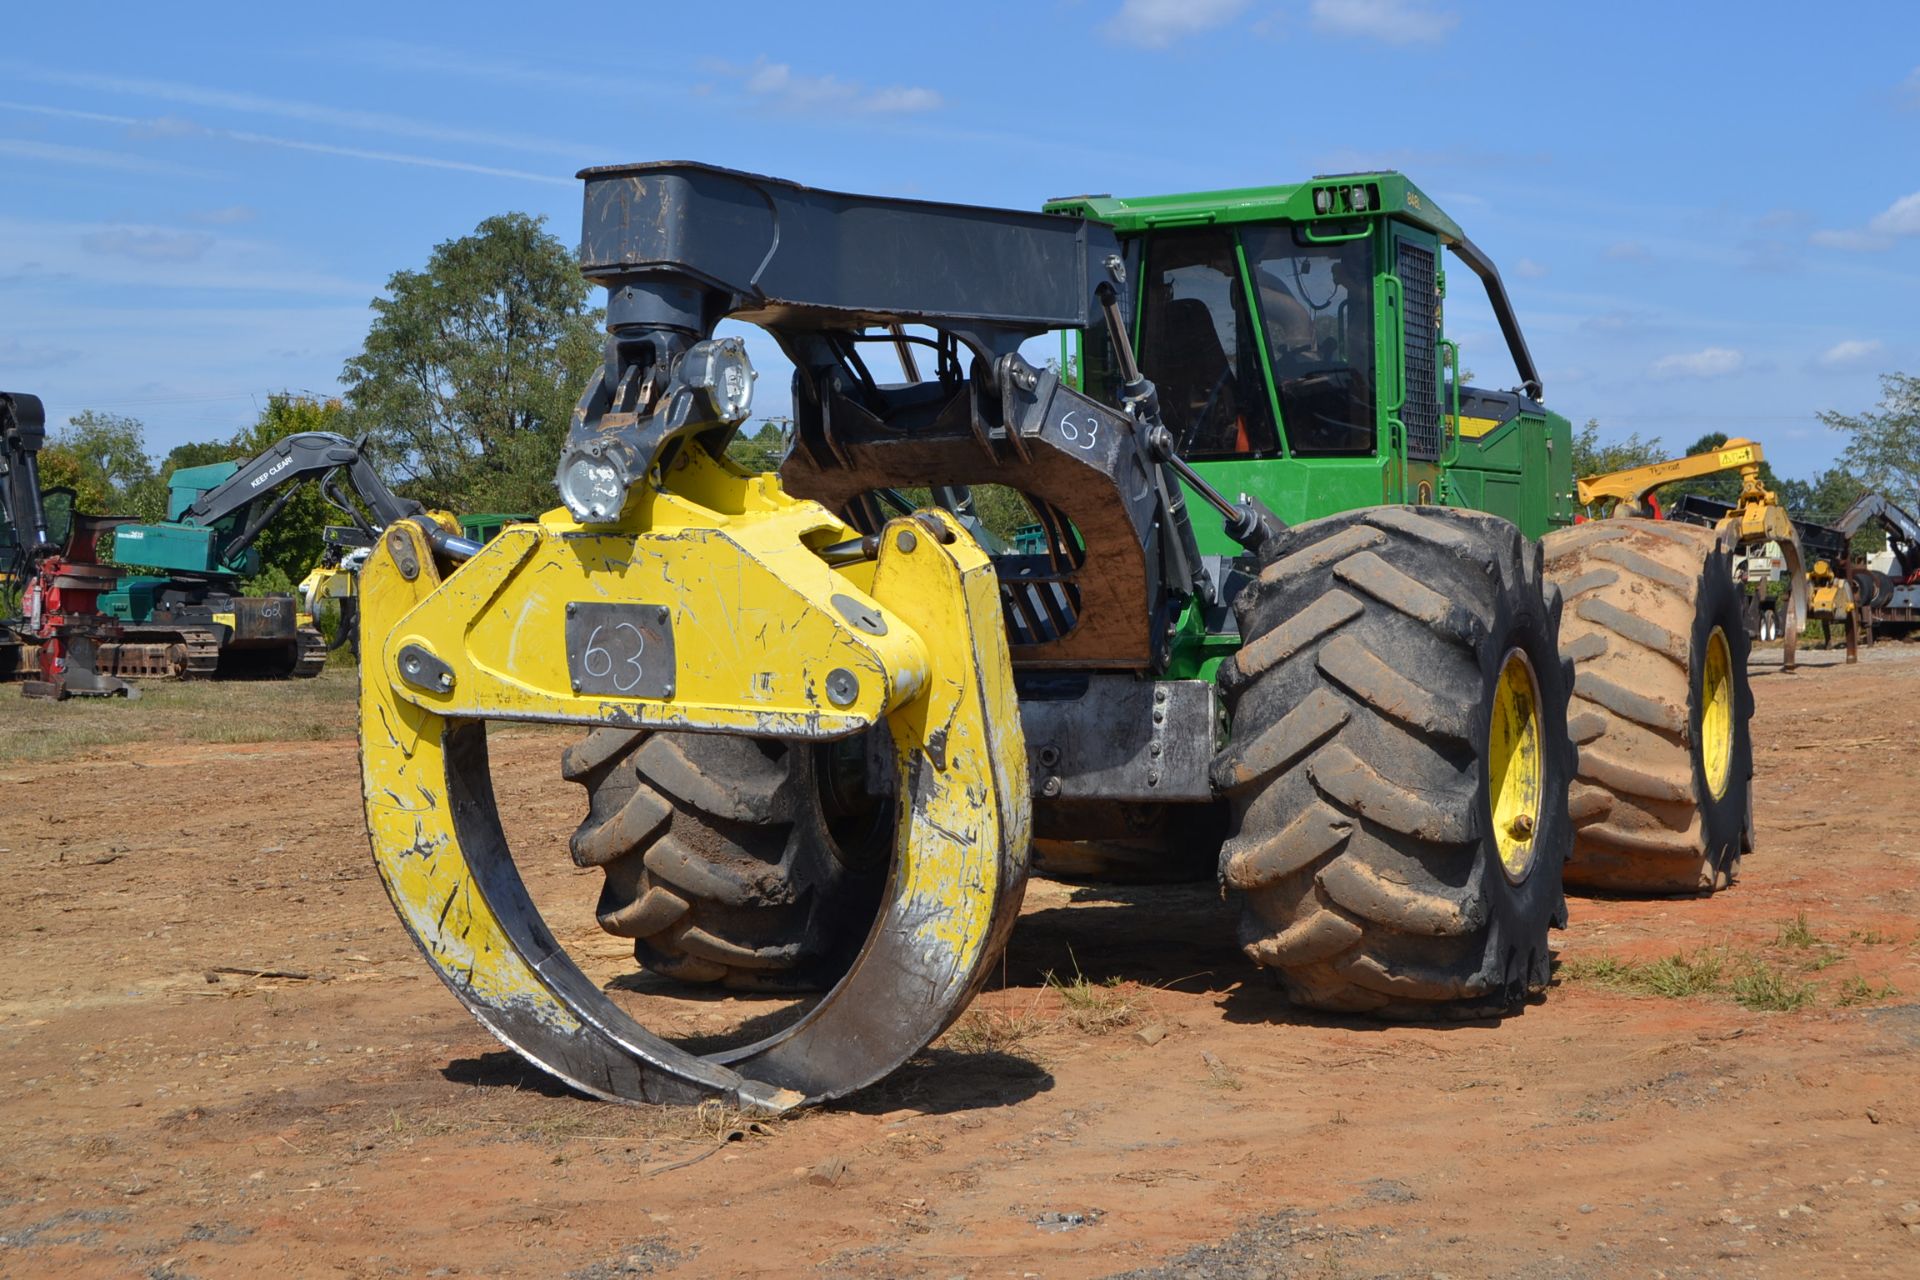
{"x":446,"y":680}
{"x":1159,"y":716}
{"x":1154,"y":749}
{"x":1051,"y":787}
{"x":1159,"y":695}
{"x":842,"y":688}
{"x":906,"y":541}
{"x":663,"y":614}
{"x":1153,"y":778}
{"x":1049,"y":756}
{"x":1521,"y":827}
{"x":572,"y":609}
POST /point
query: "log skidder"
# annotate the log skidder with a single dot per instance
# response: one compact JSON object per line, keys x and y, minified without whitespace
{"x":1399,"y":765}
{"x":1657,"y":632}
{"x":1372,"y":703}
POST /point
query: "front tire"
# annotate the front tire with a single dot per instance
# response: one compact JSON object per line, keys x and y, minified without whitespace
{"x":1661,"y":705}
{"x":1399,"y":691}
{"x":747,"y":862}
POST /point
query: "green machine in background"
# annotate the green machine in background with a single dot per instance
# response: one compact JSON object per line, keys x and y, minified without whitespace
{"x":183,"y":607}
{"x":187,"y":617}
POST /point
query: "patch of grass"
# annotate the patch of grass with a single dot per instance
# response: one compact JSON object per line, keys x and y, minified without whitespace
{"x":1867,"y":937}
{"x":1749,"y":979}
{"x":1797,"y":933}
{"x":1672,"y":977}
{"x":1096,"y":1008}
{"x":983,"y":1030}
{"x":1766,"y":988}
{"x":217,"y":711}
{"x":1857,"y":990}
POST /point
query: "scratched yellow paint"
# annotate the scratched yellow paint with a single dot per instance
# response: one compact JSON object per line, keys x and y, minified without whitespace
{"x":403,"y":775}
{"x":756,"y":629}
{"x":965,"y":814}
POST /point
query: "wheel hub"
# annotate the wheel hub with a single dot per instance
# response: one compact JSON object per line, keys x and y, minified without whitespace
{"x":1514,"y":764}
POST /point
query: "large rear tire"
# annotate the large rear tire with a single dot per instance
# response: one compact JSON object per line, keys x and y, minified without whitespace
{"x":746,"y":862}
{"x":1658,"y":637}
{"x":1399,"y":764}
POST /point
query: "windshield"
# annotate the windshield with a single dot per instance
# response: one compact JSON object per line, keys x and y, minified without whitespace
{"x":1316,"y":301}
{"x":1198,"y":345}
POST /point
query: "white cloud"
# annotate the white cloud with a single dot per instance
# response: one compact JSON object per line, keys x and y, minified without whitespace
{"x":149,"y":244}
{"x":90,"y":158}
{"x":1850,"y":354}
{"x":1528,"y":269}
{"x":1855,"y":241}
{"x":231,"y":215}
{"x":1389,"y":21}
{"x":1901,"y":218}
{"x":1155,"y":24}
{"x":138,"y":127}
{"x":307,"y":112}
{"x":1713,"y":362}
{"x":776,"y":84}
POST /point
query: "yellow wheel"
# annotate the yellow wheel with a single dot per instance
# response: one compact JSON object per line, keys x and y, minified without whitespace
{"x":1716,"y":714}
{"x":1514,"y":765}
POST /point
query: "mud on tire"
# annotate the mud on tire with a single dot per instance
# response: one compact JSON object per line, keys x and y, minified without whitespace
{"x":1361,"y":848}
{"x":747,"y":862}
{"x":1644,"y":601}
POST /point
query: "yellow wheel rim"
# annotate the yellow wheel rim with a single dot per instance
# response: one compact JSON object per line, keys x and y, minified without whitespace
{"x":1515,"y":765}
{"x":1716,"y":714}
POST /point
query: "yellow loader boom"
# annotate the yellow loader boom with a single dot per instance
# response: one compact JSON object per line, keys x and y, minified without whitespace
{"x":1755,"y":519}
{"x":1632,"y":487}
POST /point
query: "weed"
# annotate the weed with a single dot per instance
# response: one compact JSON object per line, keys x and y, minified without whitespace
{"x":1797,"y":933}
{"x":1765,"y":988}
{"x":1744,"y":977}
{"x":984,"y":1030}
{"x":1857,"y":990}
{"x":1093,"y":1008}
{"x":1867,"y":937}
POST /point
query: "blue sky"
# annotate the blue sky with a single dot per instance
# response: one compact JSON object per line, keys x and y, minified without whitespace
{"x":1708,"y":215}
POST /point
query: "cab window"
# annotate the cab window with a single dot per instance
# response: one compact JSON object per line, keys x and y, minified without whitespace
{"x":1316,"y":304}
{"x":1198,"y":344}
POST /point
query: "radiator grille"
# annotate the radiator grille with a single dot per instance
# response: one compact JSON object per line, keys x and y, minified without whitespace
{"x":1421,"y":413}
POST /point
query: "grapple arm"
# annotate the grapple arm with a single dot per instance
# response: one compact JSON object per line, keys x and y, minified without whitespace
{"x":708,"y":607}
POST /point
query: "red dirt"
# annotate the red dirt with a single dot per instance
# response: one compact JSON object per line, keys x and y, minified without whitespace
{"x":156,"y":1121}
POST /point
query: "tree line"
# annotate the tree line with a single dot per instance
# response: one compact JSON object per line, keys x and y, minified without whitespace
{"x":473,"y":362}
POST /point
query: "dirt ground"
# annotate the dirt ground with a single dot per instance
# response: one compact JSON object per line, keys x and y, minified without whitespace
{"x":1719,"y":1087}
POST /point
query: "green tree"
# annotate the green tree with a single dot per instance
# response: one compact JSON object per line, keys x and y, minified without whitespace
{"x":472,"y":365}
{"x":764,"y":449}
{"x":1883,"y":445}
{"x":103,"y":458}
{"x":1592,"y":458}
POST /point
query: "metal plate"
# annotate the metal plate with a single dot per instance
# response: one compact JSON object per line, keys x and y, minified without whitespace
{"x":620,"y":650}
{"x":1125,"y":739}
